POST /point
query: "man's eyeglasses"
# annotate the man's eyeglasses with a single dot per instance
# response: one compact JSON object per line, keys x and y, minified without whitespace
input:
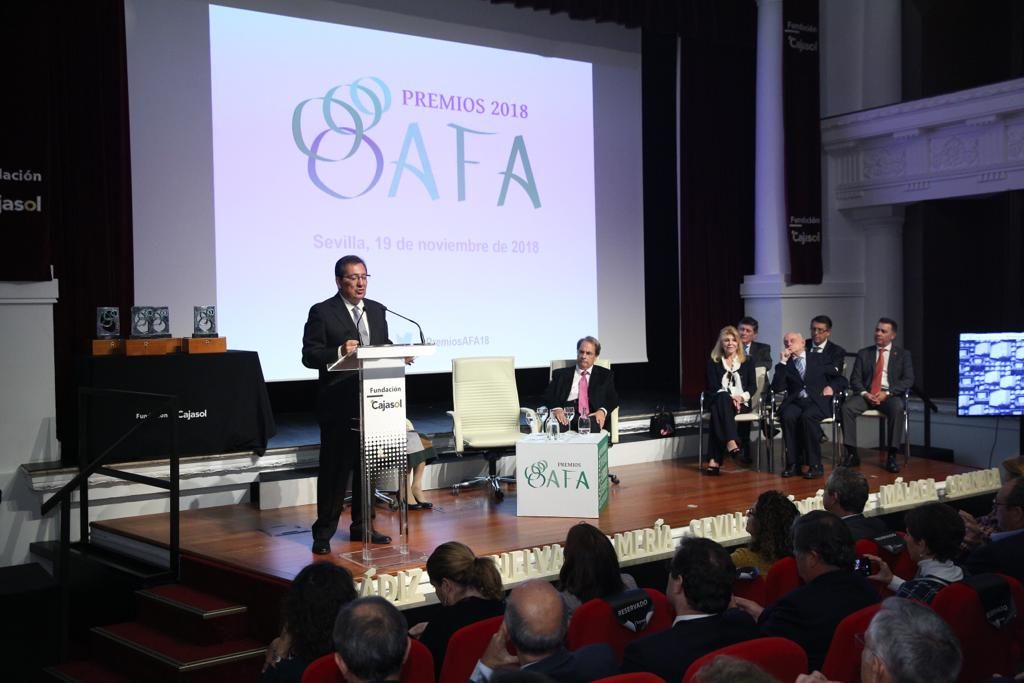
{"x":355,"y":278}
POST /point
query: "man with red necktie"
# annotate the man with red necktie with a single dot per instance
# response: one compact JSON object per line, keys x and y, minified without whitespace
{"x":588,"y":387}
{"x":880,"y":374}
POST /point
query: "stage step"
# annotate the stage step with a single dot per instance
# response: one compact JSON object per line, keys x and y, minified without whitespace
{"x":145,"y":653}
{"x":199,"y":617}
{"x":137,"y":571}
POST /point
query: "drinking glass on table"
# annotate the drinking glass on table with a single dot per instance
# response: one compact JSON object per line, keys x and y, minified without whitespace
{"x":570,"y":413}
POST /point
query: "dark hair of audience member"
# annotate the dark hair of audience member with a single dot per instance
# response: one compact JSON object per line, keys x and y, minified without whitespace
{"x":939,"y":526}
{"x":726,"y":669}
{"x":707,"y":572}
{"x":590,"y":568}
{"x":312,"y":603}
{"x":456,"y":562}
{"x":371,"y":636}
{"x":849,"y":487}
{"x":1015,"y":498}
{"x":825,"y":534}
{"x":773,"y":516}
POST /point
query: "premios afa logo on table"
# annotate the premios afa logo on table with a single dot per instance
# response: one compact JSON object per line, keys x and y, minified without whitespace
{"x":340,"y":127}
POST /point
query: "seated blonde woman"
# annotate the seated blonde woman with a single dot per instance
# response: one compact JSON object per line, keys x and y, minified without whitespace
{"x":731,"y":385}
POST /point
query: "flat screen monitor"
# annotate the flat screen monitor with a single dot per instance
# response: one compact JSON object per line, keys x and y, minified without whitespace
{"x":991,"y":380}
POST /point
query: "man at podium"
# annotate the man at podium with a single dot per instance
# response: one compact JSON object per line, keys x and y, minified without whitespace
{"x":335,"y":328}
{"x":588,"y":388}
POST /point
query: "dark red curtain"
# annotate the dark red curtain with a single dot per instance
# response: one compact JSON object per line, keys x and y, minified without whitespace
{"x":92,"y":225}
{"x":716,"y":175}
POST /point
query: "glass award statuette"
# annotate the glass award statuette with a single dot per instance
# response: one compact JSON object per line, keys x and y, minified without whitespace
{"x":150,"y":333}
{"x":108,"y":322}
{"x":151,"y":322}
{"x":204,"y":332}
{"x":108,"y":340}
{"x":204,"y":321}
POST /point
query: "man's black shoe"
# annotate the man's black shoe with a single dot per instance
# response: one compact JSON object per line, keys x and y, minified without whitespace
{"x":375,"y":536}
{"x":321,"y":547}
{"x":851,"y":460}
{"x":814,"y":473}
{"x":789,"y":472}
{"x":890,"y":465}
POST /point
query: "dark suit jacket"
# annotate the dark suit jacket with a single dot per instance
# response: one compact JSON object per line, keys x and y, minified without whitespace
{"x":328,"y":326}
{"x":901,"y":369}
{"x":866,"y":527}
{"x":761,"y":355}
{"x":600,"y":384}
{"x":747,"y":373}
{"x":585,"y":664}
{"x":669,"y":653}
{"x":835,"y":359}
{"x":787,"y":378}
{"x":809,"y":614}
{"x":1005,"y":556}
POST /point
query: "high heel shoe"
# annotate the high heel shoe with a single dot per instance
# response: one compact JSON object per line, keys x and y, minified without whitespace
{"x":416,"y":503}
{"x":712,"y":470}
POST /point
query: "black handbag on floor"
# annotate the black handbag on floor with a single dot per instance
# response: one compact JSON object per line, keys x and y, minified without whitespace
{"x":662,"y":424}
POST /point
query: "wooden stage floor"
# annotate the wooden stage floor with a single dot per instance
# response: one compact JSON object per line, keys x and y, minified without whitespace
{"x":673,"y":490}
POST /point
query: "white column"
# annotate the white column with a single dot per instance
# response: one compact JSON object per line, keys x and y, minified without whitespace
{"x":770,"y":173}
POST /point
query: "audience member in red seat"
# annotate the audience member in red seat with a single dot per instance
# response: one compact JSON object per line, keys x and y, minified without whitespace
{"x":768,"y":524}
{"x":934,"y":534}
{"x":370,"y":641}
{"x":1004,"y":553}
{"x":808,"y":615}
{"x":310,"y":607}
{"x":980,"y":530}
{"x":725,"y":669}
{"x":468,"y":587}
{"x":590,"y":568}
{"x":536,"y":623}
{"x":905,"y":643}
{"x":700,"y":588}
{"x":846,"y":494}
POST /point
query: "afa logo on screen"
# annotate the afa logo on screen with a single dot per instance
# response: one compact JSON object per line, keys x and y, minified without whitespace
{"x":340,"y":127}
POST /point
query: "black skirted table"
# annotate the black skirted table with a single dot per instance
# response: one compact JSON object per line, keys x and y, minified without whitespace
{"x":223,"y":405}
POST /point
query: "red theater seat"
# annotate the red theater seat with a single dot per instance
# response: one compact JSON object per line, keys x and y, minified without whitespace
{"x":594,"y":622}
{"x":780,"y":657}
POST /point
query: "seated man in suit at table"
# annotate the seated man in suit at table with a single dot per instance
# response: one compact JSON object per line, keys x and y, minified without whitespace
{"x":834,"y":354}
{"x":880,"y":373}
{"x":589,"y":388}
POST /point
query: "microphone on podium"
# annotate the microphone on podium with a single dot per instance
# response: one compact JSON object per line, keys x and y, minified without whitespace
{"x":423,"y":339}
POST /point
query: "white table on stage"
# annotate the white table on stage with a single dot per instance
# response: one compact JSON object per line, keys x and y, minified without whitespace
{"x":564,"y":477}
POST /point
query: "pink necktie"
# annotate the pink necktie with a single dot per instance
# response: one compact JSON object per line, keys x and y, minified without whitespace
{"x":584,"y":398}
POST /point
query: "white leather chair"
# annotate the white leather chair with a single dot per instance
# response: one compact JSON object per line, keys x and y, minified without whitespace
{"x":486,"y":414}
{"x":753,"y":417}
{"x":613,"y":419}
